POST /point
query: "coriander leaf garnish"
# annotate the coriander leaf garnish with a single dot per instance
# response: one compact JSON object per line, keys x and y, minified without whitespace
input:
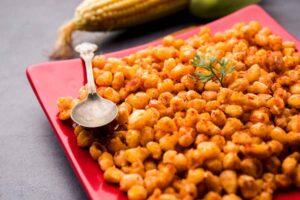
{"x":214,"y":72}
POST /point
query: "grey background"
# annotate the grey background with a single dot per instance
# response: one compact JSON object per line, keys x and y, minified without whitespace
{"x":32,"y":162}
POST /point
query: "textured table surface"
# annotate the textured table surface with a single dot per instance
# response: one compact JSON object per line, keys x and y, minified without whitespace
{"x":32,"y":162}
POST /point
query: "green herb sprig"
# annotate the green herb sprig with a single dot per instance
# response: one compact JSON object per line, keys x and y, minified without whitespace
{"x":215,"y":72}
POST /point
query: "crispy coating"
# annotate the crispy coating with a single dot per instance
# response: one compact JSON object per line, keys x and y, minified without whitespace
{"x":184,"y":139}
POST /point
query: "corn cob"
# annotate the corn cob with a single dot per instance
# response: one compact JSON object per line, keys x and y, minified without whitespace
{"x":104,"y":15}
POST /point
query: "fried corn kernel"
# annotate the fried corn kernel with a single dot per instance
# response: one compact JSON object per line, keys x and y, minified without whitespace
{"x":269,"y":182}
{"x":116,"y":144}
{"x":96,"y":150}
{"x":188,"y":189}
{"x":168,"y":142}
{"x":129,"y":180}
{"x":151,"y":80}
{"x":196,"y":176}
{"x":207,"y":127}
{"x":84,"y":138}
{"x":253,"y":73}
{"x":293,"y":124}
{"x":213,"y":182}
{"x":282,"y":181}
{"x":214,"y":165}
{"x":252,"y":167}
{"x":77,"y":130}
{"x":118,"y":80}
{"x":208,"y":150}
{"x":169,"y":156}
{"x":104,"y":78}
{"x":181,"y":70}
{"x":99,"y":61}
{"x":123,"y":113}
{"x":294,"y":100}
{"x":248,"y":186}
{"x":177,"y":104}
{"x":258,"y":88}
{"x":181,"y":162}
{"x":289,"y":166}
{"x":138,"y":119}
{"x":295,"y":89}
{"x":218,"y":117}
{"x":212,"y":196}
{"x":191,"y":117}
{"x":165,"y":98}
{"x":113,"y":175}
{"x":259,"y":116}
{"x":209,"y":95}
{"x":119,"y":158}
{"x":186,"y":136}
{"x":105,"y":161}
{"x":166,"y":85}
{"x":231,"y":161}
{"x":228,"y":180}
{"x":137,"y":192}
{"x":239,"y":84}
{"x":154,"y":149}
{"x":234,"y":110}
{"x":111,"y":94}
{"x":147,"y":135}
{"x":133,"y":138}
{"x":231,"y":126}
{"x":166,"y":124}
{"x":136,"y":154}
{"x":259,"y":129}
{"x":64,"y":107}
{"x":230,"y":147}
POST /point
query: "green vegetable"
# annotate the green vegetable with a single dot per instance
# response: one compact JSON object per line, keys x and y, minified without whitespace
{"x":218,"y":73}
{"x":216,"y":8}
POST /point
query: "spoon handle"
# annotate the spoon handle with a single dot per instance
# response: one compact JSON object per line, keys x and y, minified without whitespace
{"x":86,"y":51}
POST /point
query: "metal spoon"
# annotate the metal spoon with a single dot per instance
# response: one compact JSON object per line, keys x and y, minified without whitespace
{"x":94,"y":111}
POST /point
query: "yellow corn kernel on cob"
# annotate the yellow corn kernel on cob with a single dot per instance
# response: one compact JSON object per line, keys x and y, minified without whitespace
{"x":104,"y":15}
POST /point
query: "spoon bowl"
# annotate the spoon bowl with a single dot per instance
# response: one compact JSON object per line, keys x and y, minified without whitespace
{"x":94,"y":111}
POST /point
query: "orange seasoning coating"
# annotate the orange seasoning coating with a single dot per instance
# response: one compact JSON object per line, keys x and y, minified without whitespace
{"x":180,"y":138}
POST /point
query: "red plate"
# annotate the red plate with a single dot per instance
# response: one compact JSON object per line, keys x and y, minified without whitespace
{"x":52,"y":80}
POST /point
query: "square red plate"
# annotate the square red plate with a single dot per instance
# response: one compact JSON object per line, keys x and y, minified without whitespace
{"x":52,"y":80}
